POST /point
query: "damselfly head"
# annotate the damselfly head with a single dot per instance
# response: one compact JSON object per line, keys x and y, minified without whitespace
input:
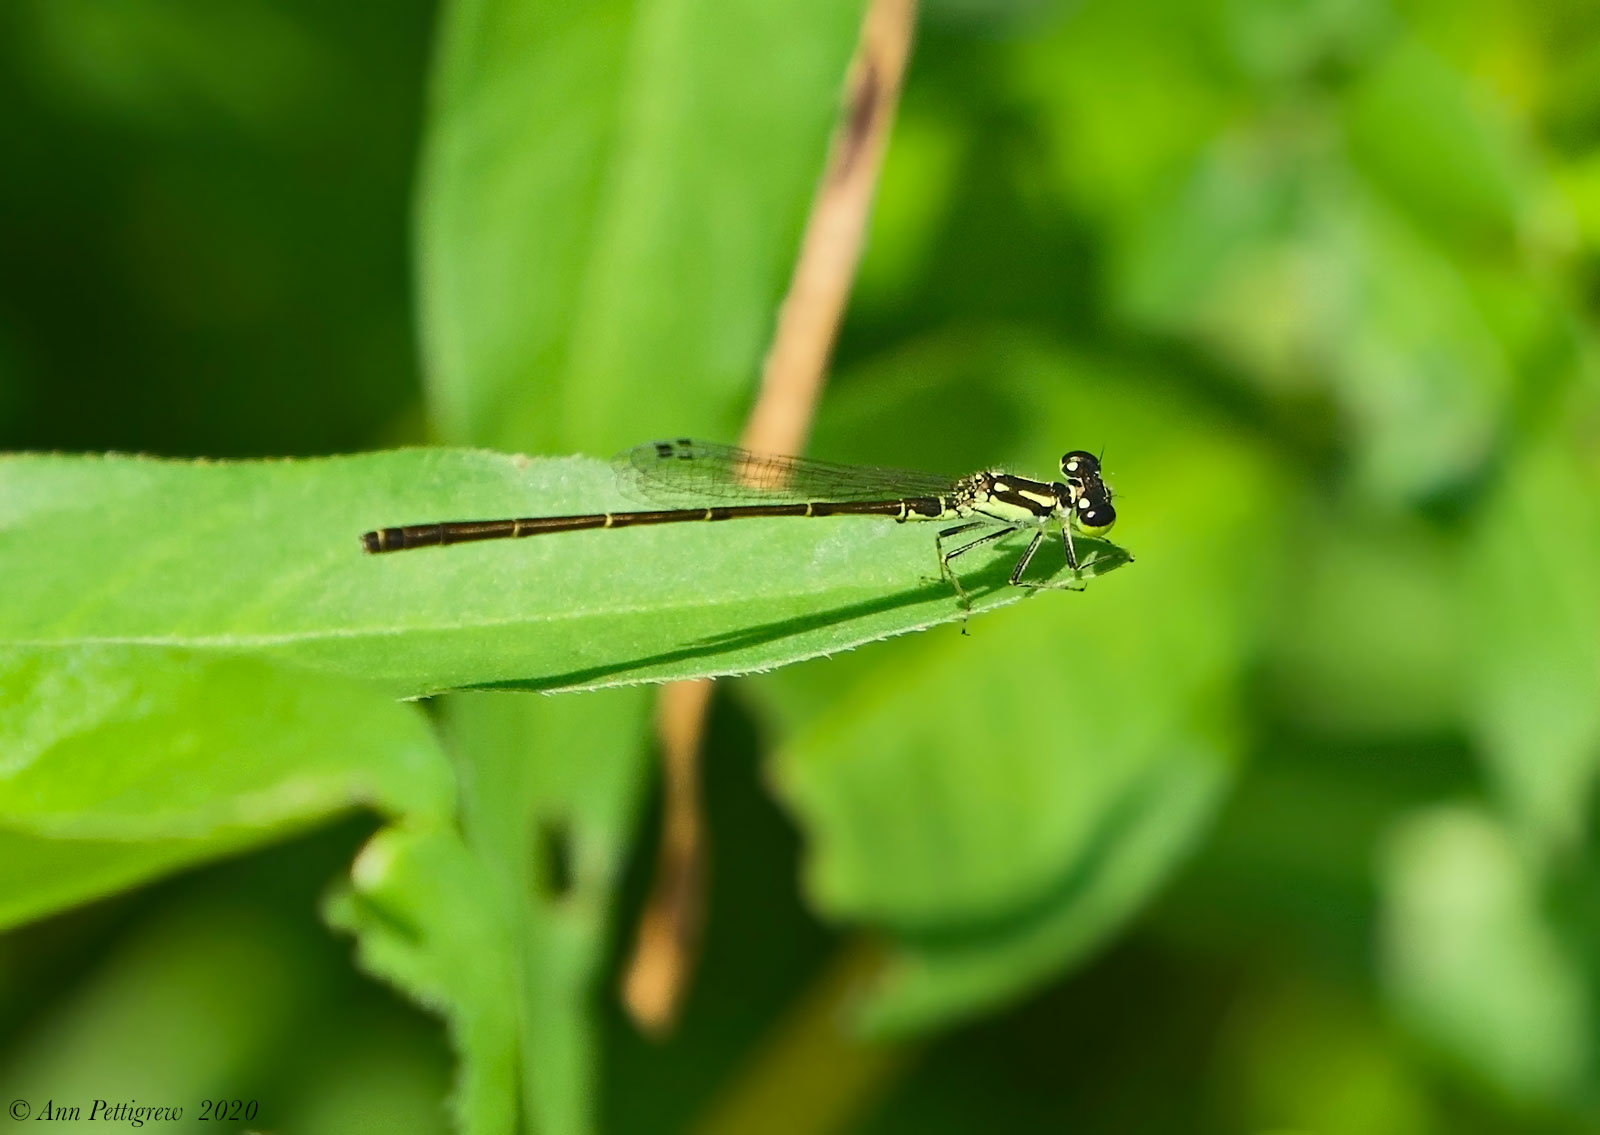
{"x":1093,"y":511}
{"x":1091,"y":507}
{"x":1080,"y":466}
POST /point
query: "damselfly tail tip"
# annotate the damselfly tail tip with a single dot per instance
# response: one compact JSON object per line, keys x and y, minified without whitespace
{"x":373,"y":542}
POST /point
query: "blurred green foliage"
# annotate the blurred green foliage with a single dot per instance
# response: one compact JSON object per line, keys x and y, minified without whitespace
{"x":1286,"y":827}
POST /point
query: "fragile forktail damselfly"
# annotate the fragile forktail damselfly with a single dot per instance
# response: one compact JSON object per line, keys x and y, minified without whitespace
{"x":729,"y":483}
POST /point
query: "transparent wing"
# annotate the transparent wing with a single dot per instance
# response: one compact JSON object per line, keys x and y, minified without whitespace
{"x":684,"y":471}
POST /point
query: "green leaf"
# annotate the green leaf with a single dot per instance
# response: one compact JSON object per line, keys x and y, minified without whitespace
{"x":112,"y":743}
{"x":943,"y":973}
{"x":999,"y":803}
{"x":551,"y":787}
{"x":263,"y":558}
{"x":1534,"y":670}
{"x":612,"y":195}
{"x":119,"y":764}
{"x":40,"y":875}
{"x":1461,"y":903}
{"x":1366,"y":244}
{"x":1437,"y":148}
{"x":611,"y":198}
{"x":417,"y":904}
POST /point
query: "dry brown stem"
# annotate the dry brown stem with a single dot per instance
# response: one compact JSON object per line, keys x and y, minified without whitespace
{"x":668,"y":938}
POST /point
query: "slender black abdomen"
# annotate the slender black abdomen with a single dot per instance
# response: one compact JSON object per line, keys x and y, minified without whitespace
{"x":463,"y":531}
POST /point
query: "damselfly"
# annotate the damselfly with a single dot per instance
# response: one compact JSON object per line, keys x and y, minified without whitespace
{"x":724,"y":482}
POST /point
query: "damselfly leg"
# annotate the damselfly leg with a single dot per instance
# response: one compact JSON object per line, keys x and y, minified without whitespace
{"x":945,"y":557}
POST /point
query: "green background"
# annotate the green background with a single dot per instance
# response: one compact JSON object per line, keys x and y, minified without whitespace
{"x":1284,"y":827}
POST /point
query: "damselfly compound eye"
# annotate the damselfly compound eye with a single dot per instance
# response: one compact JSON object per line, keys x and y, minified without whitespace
{"x":1095,"y":514}
{"x":1080,"y":465}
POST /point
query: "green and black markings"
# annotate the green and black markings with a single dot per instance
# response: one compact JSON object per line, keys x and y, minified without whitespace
{"x":686,"y":469}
